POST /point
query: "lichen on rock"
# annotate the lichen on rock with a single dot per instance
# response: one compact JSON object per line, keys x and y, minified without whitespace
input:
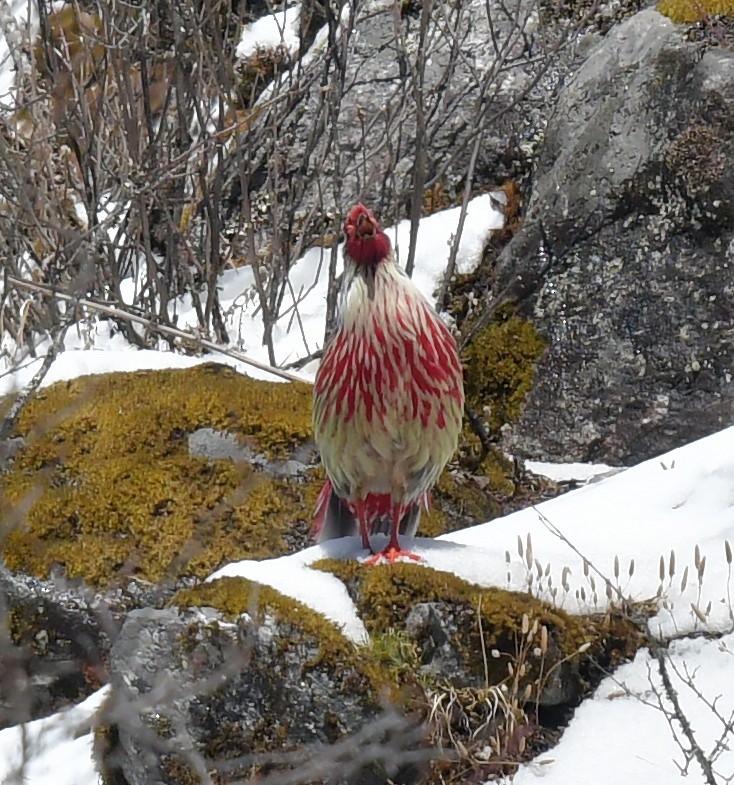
{"x":264,"y":676}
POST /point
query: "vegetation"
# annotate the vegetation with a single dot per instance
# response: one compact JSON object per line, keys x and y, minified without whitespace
{"x":107,"y":487}
{"x":695,"y":10}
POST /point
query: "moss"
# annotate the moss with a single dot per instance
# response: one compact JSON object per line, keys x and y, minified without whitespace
{"x":235,"y":596}
{"x":385,"y":595}
{"x":388,"y":594}
{"x":499,"y":363}
{"x":398,"y":652}
{"x":106,"y":742}
{"x":177,"y":771}
{"x":695,"y":10}
{"x":108,"y":487}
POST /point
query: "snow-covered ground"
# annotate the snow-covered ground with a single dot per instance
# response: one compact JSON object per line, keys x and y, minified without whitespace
{"x":663,"y":528}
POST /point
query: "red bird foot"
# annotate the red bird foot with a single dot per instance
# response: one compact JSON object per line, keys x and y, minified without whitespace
{"x":391,"y":554}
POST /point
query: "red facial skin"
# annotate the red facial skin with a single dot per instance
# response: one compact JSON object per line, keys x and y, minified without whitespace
{"x":366,"y":243}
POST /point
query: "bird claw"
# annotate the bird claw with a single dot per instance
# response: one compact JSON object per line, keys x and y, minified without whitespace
{"x":391,"y":554}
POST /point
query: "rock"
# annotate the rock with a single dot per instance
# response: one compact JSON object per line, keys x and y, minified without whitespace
{"x":624,"y":259}
{"x":194,"y":692}
{"x":332,"y":150}
{"x":216,"y":445}
{"x":55,"y":648}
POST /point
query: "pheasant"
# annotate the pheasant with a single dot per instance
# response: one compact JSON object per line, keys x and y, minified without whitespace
{"x":388,"y":398}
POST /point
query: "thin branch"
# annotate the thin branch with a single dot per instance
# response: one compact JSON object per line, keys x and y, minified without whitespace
{"x":660,"y":654}
{"x":119,"y":313}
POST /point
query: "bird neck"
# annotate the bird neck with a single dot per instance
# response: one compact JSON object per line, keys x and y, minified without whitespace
{"x":369,"y":288}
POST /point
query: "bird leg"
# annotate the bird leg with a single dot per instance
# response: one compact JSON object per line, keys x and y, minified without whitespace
{"x":393,"y":552}
{"x":359,"y":508}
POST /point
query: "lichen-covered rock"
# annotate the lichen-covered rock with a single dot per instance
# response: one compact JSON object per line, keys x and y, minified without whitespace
{"x":55,"y":638}
{"x":197,"y":690}
{"x":623,"y":261}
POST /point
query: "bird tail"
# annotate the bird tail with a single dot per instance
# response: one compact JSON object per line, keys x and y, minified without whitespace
{"x":334,"y":519}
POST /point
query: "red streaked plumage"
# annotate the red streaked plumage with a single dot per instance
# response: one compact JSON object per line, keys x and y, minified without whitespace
{"x":388,"y":396}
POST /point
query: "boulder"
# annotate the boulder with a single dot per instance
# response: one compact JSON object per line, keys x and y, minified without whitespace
{"x":197,"y":692}
{"x":624,"y":259}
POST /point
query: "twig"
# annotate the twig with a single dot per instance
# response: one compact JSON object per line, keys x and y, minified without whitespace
{"x":553,"y":529}
{"x":120,"y":313}
{"x":700,"y":756}
{"x":19,"y":403}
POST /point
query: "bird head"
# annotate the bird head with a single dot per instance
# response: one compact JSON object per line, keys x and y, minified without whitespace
{"x":366,"y":244}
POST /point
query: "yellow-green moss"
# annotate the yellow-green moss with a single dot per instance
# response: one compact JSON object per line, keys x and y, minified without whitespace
{"x":110,"y":488}
{"x":385,"y":595}
{"x":500,"y":362}
{"x":388,"y":592}
{"x":234,"y":596}
{"x":695,"y":10}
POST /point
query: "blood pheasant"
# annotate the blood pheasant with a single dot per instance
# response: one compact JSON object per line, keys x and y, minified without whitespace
{"x":388,"y":398}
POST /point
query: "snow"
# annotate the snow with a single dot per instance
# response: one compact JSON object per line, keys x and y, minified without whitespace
{"x":622,"y":734}
{"x":272,"y":31}
{"x":56,"y":750}
{"x":569,"y":472}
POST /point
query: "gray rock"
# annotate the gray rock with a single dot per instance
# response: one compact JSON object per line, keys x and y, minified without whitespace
{"x":215,"y":444}
{"x":55,"y":640}
{"x":329,"y":154}
{"x":624,"y":259}
{"x":195,"y":694}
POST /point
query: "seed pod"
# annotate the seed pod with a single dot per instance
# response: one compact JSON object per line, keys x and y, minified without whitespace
{"x":699,"y":613}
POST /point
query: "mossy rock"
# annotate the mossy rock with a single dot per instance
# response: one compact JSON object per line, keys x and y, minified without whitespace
{"x":695,"y":10}
{"x":279,"y":676}
{"x":106,"y":486}
{"x":234,"y":596}
{"x":500,"y":363}
{"x":483,"y":620}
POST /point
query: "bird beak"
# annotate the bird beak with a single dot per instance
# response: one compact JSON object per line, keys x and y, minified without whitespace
{"x":365,"y":227}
